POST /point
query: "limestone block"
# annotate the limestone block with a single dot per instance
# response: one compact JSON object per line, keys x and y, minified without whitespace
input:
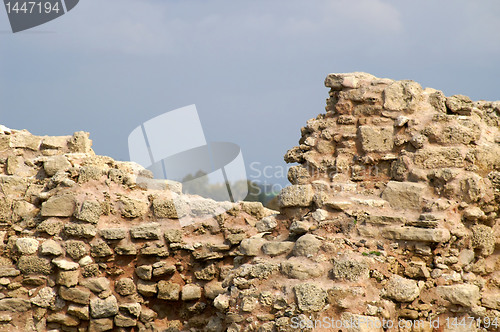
{"x":80,"y":230}
{"x":296,"y":195}
{"x":133,"y":208}
{"x":27,"y":246}
{"x":417,"y":234}
{"x":89,"y":211}
{"x":168,"y":290}
{"x":79,"y":311}
{"x":465,"y":295}
{"x":80,"y":142}
{"x":55,"y":164}
{"x":278,"y":248}
{"x":299,"y":268}
{"x":75,"y":294}
{"x":59,"y":206}
{"x":63,"y":319}
{"x":51,"y":247}
{"x":190,"y":292}
{"x":459,"y":104}
{"x":34,"y":265}
{"x":483,"y":239}
{"x":404,"y":195}
{"x":439,"y":157}
{"x":376,"y":139}
{"x":150,"y":231}
{"x":350,"y":269}
{"x":113,"y":233}
{"x":307,"y":245}
{"x":101,"y":308}
{"x":401,"y":289}
{"x":402,"y":96}
{"x":310,"y":297}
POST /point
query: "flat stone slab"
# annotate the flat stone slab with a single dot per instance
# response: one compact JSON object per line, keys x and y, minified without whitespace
{"x":416,"y":234}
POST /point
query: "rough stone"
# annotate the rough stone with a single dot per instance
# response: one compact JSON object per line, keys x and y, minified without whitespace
{"x":155,"y":249}
{"x":90,"y":211}
{"x":401,"y":289}
{"x":439,"y":157}
{"x":404,"y":195}
{"x":68,"y":278}
{"x":125,"y":286}
{"x":145,"y":272}
{"x":439,"y":235}
{"x":310,"y":298}
{"x":25,"y":140}
{"x":168,"y":291}
{"x":102,"y":308}
{"x":75,"y":294}
{"x":80,"y":142}
{"x":113,"y":233}
{"x":146,"y":231}
{"x":402,"y":96}
{"x":278,"y":248}
{"x":162,"y":269}
{"x":221,"y":302}
{"x":79,"y":311}
{"x":124,"y":321}
{"x":65,"y":264}
{"x":307,"y":245}
{"x":44,"y":298}
{"x":208,"y":273}
{"x":132,"y":309}
{"x":50,"y":226}
{"x":346,"y":268}
{"x":190,"y":292}
{"x":133,"y":208}
{"x":14,"y":305}
{"x":59,"y":206}
{"x":376,"y":139}
{"x":252,"y":246}
{"x":55,"y":164}
{"x":51,"y":247}
{"x":266,"y":224}
{"x":166,"y":208}
{"x":173,"y":235}
{"x":27,"y":246}
{"x":62,"y":319}
{"x":126,"y":249}
{"x":80,"y":230}
{"x":296,"y":195}
{"x":100,"y":249}
{"x":6,"y":271}
{"x":483,"y":239}
{"x":76,"y":249}
{"x":465,"y":295}
{"x":298,"y":268}
{"x":100,"y":325}
{"x":459,"y":104}
{"x":34,"y":265}
{"x":213,"y":289}
{"x":96,"y":285}
{"x":147,"y":288}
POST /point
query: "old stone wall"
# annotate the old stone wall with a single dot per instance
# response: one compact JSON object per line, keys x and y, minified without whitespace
{"x":390,"y":221}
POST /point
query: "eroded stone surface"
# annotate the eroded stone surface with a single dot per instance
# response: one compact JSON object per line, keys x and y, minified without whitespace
{"x":392,"y":214}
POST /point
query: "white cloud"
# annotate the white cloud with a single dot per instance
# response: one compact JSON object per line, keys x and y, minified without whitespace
{"x":150,"y":27}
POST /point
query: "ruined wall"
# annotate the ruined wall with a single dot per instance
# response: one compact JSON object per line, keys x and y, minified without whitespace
{"x":391,"y":217}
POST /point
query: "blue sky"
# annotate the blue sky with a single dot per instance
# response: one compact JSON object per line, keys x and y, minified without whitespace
{"x":255,"y":69}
